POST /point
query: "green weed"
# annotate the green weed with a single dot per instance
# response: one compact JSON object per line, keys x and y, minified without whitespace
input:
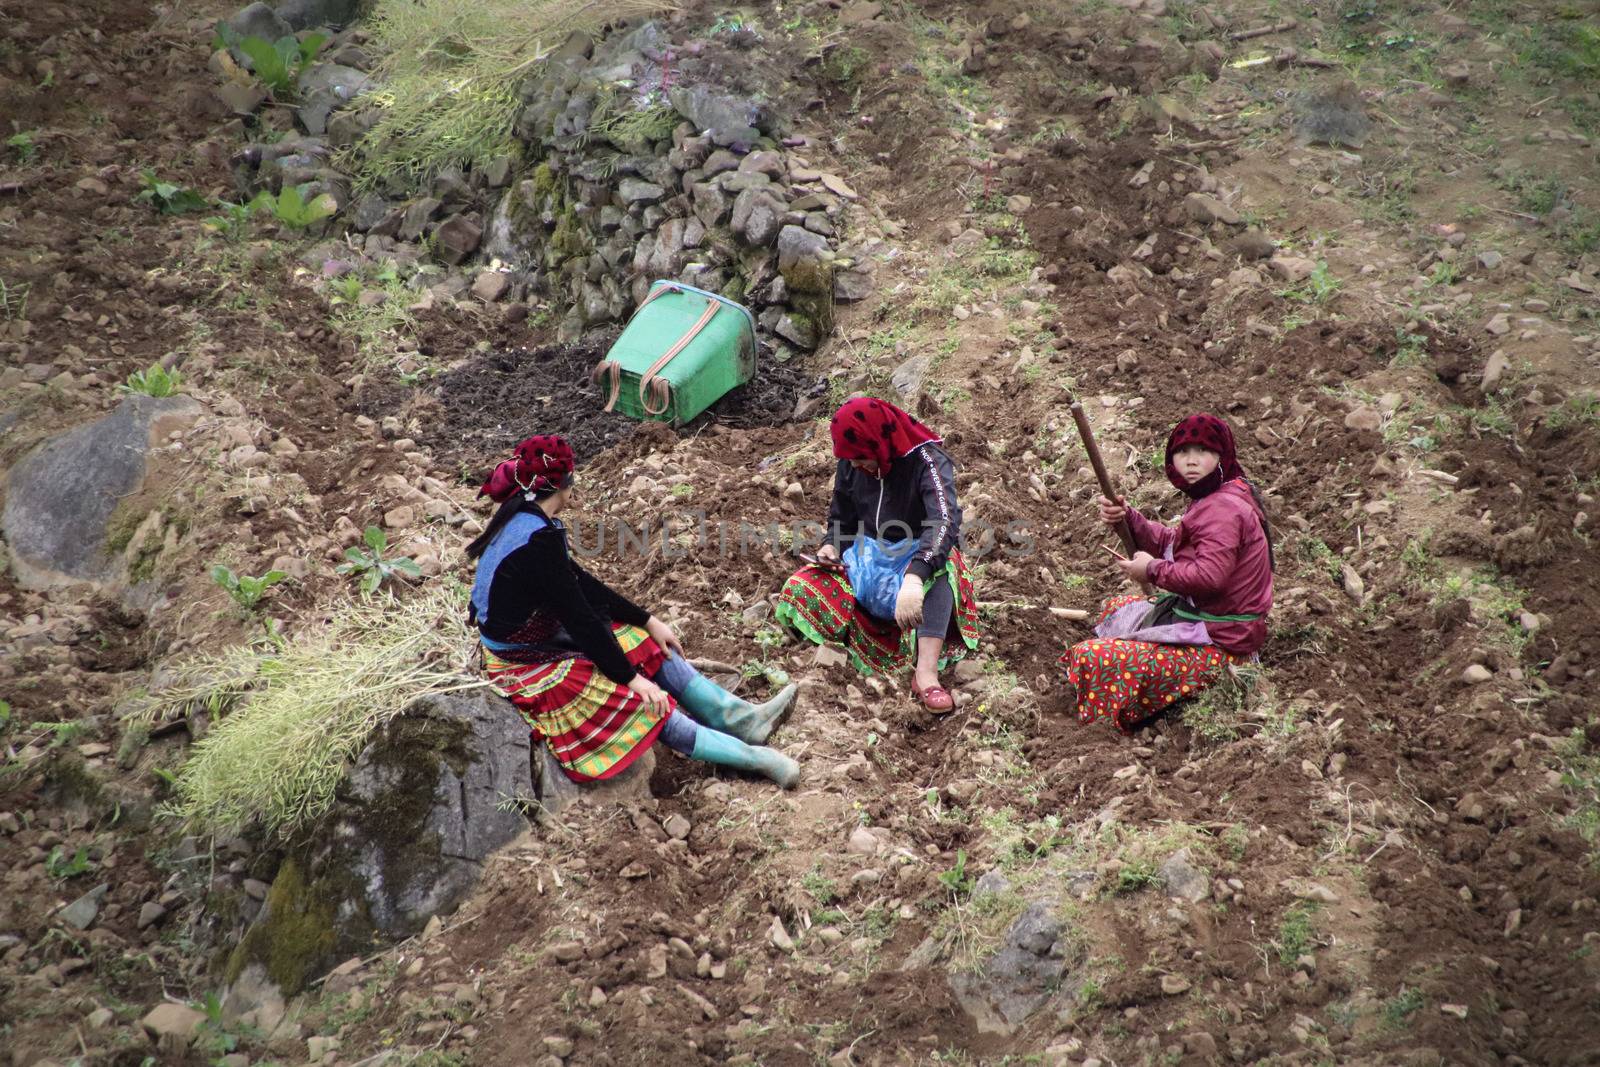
{"x":1319,"y":287}
{"x":291,"y":207}
{"x":22,"y":146}
{"x":1296,"y":933}
{"x":154,"y":380}
{"x":371,"y":564}
{"x":956,"y":879}
{"x":276,"y":63}
{"x":1580,"y":776}
{"x":245,"y":590}
{"x":1136,"y":874}
{"x":166,"y":197}
{"x":1398,"y":1009}
{"x":61,"y":867}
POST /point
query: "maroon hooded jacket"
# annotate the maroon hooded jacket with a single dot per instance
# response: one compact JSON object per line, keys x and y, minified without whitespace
{"x":1219,"y":560}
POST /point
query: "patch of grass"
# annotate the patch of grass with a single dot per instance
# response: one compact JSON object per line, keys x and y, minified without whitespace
{"x":375,"y":324}
{"x":450,"y":84}
{"x":1411,"y":349}
{"x":287,"y":721}
{"x":22,"y":146}
{"x":820,"y":887}
{"x":1296,"y":933}
{"x":1319,"y":287}
{"x":1398,"y":1009}
{"x":1136,"y":875}
{"x":1580,"y":776}
{"x":1578,"y":411}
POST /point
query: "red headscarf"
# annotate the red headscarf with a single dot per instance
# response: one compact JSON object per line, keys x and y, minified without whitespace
{"x":868,"y":428}
{"x":541,"y":463}
{"x":1213,"y":435}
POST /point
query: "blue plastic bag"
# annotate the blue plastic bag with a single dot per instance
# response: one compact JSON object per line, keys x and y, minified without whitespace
{"x":875,"y":569}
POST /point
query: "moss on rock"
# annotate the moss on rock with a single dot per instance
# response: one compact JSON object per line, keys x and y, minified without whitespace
{"x":296,"y":936}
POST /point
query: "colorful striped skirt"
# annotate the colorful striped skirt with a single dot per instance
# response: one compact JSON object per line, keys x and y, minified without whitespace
{"x":1132,"y":682}
{"x":595,"y":727}
{"x":819,"y":604}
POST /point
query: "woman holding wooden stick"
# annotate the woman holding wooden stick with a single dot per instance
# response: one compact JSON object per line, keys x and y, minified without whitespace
{"x":1214,"y":571}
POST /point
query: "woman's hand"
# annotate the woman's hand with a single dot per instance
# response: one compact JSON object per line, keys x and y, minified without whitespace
{"x":652,"y":694}
{"x":908,"y":603}
{"x":1113,"y":511}
{"x":827,"y":553}
{"x":663,"y":635}
{"x":1137,"y":568}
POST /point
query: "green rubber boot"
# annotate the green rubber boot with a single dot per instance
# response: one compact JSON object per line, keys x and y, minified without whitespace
{"x":709,"y":703}
{"x":713,"y":746}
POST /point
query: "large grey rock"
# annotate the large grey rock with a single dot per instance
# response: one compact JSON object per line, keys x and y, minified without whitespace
{"x":712,"y":206}
{"x":481,"y":759}
{"x":758,"y":216}
{"x":728,"y":119}
{"x":61,"y":496}
{"x":323,"y":89}
{"x":81,"y":913}
{"x":805,"y":260}
{"x":557,"y":792}
{"x":909,"y":377}
{"x":1183,"y":879}
{"x":310,"y":14}
{"x":1017,"y":980}
{"x":257,"y":20}
{"x":420,"y":811}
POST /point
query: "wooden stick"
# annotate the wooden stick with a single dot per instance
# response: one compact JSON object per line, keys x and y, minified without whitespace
{"x":1262,"y":31}
{"x":1107,"y":487}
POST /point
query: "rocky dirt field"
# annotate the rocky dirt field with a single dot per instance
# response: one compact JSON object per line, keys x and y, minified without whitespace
{"x":1376,"y":848}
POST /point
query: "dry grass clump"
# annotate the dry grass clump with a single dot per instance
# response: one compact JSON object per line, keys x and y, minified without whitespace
{"x":452,"y":72}
{"x":290,"y":718}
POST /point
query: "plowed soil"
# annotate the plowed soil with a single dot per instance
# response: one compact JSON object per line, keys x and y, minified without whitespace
{"x":1429,"y":809}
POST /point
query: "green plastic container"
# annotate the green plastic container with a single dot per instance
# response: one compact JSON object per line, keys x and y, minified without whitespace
{"x":711,"y":342}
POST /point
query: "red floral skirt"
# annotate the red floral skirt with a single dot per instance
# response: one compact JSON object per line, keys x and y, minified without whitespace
{"x":1132,"y":682}
{"x":595,"y":727}
{"x":820,"y":604}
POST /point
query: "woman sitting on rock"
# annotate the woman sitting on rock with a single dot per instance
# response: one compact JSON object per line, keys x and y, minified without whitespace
{"x":1215,"y":571}
{"x":596,"y":676}
{"x":893,"y":482}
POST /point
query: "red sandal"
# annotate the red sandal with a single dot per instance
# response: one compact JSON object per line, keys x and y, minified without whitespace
{"x":934,"y":697}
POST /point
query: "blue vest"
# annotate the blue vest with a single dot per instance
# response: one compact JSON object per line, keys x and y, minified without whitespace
{"x":512,"y":536}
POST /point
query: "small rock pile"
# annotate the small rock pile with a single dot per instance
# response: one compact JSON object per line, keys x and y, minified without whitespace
{"x":638,"y":162}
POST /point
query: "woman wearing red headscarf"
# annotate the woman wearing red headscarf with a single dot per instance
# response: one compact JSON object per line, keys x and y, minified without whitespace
{"x":597,"y":677}
{"x":1215,"y":573}
{"x":893,"y":482}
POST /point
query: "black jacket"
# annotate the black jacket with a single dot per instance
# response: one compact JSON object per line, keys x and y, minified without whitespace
{"x":540,"y":581}
{"x":917,"y":498}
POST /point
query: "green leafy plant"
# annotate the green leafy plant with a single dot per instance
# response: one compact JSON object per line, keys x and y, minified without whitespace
{"x":291,"y":207}
{"x":245,"y":590}
{"x":1136,"y":875}
{"x":371,"y":564}
{"x":154,"y":380}
{"x":5,"y":715}
{"x":1319,"y":287}
{"x":22,"y":144}
{"x":166,"y":197}
{"x":58,"y":866}
{"x":277,"y":63}
{"x":956,"y":879}
{"x":230,"y":225}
